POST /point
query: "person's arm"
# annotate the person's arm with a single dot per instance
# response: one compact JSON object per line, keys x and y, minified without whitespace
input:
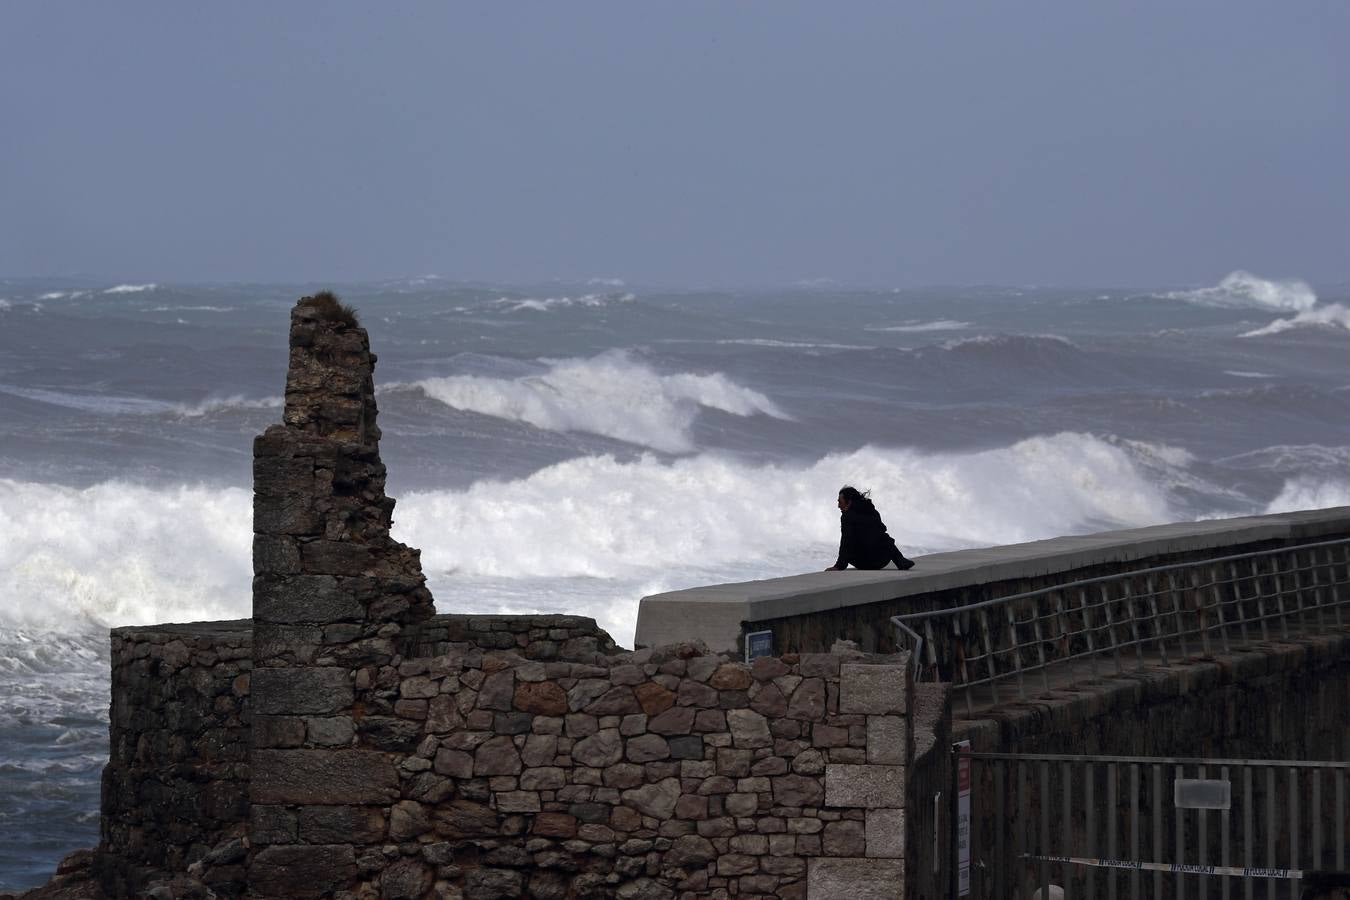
{"x":841,"y":562}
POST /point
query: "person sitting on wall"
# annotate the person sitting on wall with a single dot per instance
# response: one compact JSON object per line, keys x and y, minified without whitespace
{"x":863,"y":541}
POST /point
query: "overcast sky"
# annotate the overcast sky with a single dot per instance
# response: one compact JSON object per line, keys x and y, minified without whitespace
{"x":889,"y":144}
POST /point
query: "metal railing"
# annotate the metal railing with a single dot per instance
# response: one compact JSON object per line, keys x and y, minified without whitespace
{"x":1153,"y":615}
{"x":1115,"y":827}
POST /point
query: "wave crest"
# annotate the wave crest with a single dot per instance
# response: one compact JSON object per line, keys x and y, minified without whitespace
{"x":544,"y":304}
{"x":599,"y":517}
{"x":1310,"y":493}
{"x":119,"y":554}
{"x":1333,"y":315}
{"x":1243,"y":289}
{"x":131,"y":288}
{"x":611,"y":395}
{"x":939,"y":325}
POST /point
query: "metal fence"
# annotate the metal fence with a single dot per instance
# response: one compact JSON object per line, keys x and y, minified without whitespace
{"x":1131,"y":618}
{"x":1136,"y":827}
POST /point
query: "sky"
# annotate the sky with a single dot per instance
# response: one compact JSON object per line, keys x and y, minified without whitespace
{"x":684,"y":144}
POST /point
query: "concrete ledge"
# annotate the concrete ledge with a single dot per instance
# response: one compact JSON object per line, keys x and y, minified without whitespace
{"x":714,"y":613}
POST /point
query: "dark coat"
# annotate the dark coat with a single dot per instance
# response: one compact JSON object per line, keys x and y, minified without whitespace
{"x":863,"y":541}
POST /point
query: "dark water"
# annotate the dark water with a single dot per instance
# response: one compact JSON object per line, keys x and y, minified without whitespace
{"x":574,"y":447}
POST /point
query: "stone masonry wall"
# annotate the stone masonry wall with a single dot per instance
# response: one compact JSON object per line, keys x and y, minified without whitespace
{"x":176,"y":785}
{"x":654,"y":774}
{"x":334,"y":599}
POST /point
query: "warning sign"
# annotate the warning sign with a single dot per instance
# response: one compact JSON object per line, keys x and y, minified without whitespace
{"x":963,"y":818}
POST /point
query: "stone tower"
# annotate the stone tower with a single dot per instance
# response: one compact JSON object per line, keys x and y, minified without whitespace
{"x":334,"y":599}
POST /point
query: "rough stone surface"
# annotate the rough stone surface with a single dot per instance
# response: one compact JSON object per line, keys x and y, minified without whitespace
{"x":873,"y":689}
{"x":855,"y":879}
{"x":869,"y":787}
{"x":885,"y":832}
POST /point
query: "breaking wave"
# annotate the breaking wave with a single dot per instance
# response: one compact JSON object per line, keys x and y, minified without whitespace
{"x":611,"y":395}
{"x":131,"y":288}
{"x":224,"y":404}
{"x":112,"y":405}
{"x":791,"y":345}
{"x":1243,"y":289}
{"x":1008,"y":341}
{"x":594,"y":532}
{"x":939,"y":325}
{"x":117,"y":554}
{"x":600,"y":517}
{"x":544,"y":304}
{"x":1333,"y":315}
{"x":1310,"y":493}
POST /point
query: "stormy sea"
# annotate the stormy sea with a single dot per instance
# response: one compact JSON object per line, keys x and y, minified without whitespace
{"x":573,"y":447}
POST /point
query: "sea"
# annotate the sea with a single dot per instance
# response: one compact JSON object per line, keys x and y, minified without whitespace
{"x":572,"y":447}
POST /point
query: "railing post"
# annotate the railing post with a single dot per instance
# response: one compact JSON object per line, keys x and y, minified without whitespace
{"x":1111,"y":627}
{"x":1087,"y":629}
{"x":1236,"y":584}
{"x":1040,"y":643}
{"x":1217,"y":594}
{"x":1157,"y":619}
{"x":1317,"y":587}
{"x":1016,"y":650}
{"x":959,"y":650}
{"x":1335,"y":584}
{"x":1178,"y":600}
{"x":989,"y":656}
{"x":1279,"y":595}
{"x":1260,"y":601}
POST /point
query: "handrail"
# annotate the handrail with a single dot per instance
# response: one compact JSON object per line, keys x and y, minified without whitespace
{"x":1095,"y":619}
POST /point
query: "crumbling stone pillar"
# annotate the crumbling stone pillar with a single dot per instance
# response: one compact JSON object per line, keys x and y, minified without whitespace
{"x":334,"y":598}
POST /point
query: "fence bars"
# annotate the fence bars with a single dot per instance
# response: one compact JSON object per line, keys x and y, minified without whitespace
{"x":1276,"y":820}
{"x":1153,"y":611}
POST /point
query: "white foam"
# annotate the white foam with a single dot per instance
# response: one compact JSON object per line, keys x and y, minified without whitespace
{"x":590,"y":536}
{"x":215,"y":309}
{"x":544,"y":304}
{"x":648,"y":525}
{"x":1239,"y":374}
{"x":117,"y":554}
{"x":131,"y":288}
{"x":791,"y":345}
{"x":222,"y":404}
{"x":611,"y":394}
{"x":1006,"y":340}
{"x":4,"y":304}
{"x":1310,"y":493}
{"x":105,"y":404}
{"x":1243,"y":289}
{"x":102,"y":404}
{"x":53,"y":295}
{"x":606,"y":282}
{"x":914,"y":326}
{"x":1332,"y":315}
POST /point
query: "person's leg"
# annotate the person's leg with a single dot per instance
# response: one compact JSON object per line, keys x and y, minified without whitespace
{"x":902,"y":562}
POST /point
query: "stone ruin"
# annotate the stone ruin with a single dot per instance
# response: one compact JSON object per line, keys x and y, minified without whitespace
{"x":347,"y":742}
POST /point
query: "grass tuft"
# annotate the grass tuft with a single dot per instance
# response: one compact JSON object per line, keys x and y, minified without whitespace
{"x":330,"y":308}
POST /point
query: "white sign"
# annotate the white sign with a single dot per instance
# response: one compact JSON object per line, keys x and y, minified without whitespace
{"x":963,"y":818}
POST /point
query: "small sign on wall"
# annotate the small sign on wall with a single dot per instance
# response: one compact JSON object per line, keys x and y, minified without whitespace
{"x":963,"y":818}
{"x":757,"y":644}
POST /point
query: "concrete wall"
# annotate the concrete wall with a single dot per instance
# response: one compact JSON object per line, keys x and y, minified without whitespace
{"x":809,"y":612}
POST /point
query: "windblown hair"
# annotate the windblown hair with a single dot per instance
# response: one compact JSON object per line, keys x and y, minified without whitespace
{"x":329,"y":307}
{"x":852,"y":494}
